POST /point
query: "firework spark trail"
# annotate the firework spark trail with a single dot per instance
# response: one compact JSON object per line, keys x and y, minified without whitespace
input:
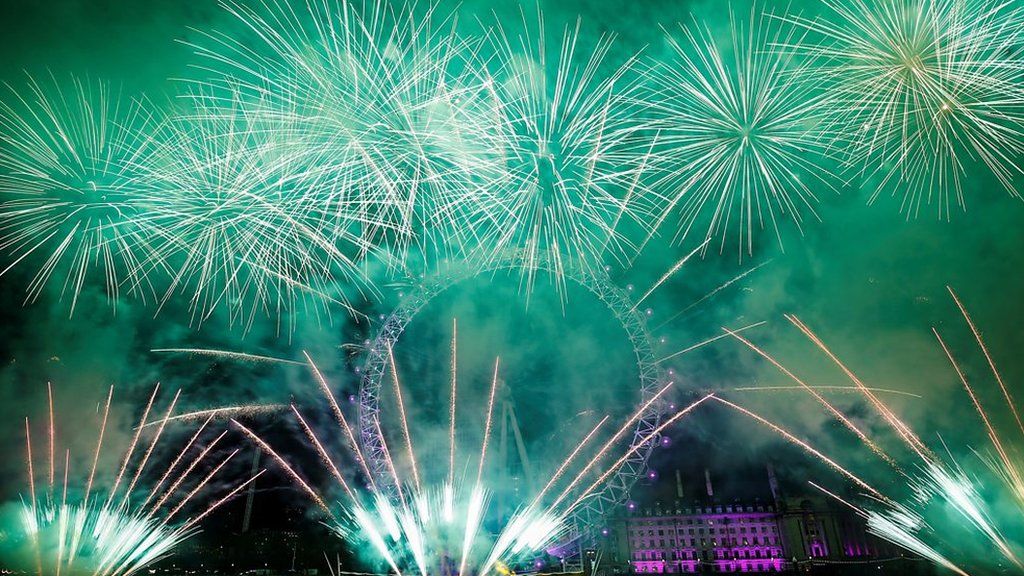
{"x":807,"y":447}
{"x":404,"y":420}
{"x":526,"y":529}
{"x":224,"y":411}
{"x":898,"y":526}
{"x":403,"y":129}
{"x":988,"y":358}
{"x":49,"y":401}
{"x":903,"y":524}
{"x":99,"y":444}
{"x":573,"y":152}
{"x":387,"y":515}
{"x":31,"y":470}
{"x":451,"y":410}
{"x":632,"y":450}
{"x":104,"y":539}
{"x":188,"y":470}
{"x":824,"y":388}
{"x":487,"y":425}
{"x":607,"y":445}
{"x":415,"y":539}
{"x":530,"y":530}
{"x":874,"y":447}
{"x":63,"y":503}
{"x":235,"y":221}
{"x":176,"y":461}
{"x":221,"y":501}
{"x":904,"y":431}
{"x":152,"y":446}
{"x":228,"y":355}
{"x":1009,"y":468}
{"x":368,"y":528}
{"x":284,"y":465}
{"x":323,"y":453}
{"x":992,"y":434}
{"x":202,"y":484}
{"x":635,"y":188}
{"x":675,"y":268}
{"x":340,"y":417}
{"x":956,"y":489}
{"x":711,"y":294}
{"x":131,"y":447}
{"x":565,"y":464}
{"x":473,"y":517}
{"x":390,"y":463}
{"x":711,"y":340}
{"x":412,"y":518}
{"x":839,"y":499}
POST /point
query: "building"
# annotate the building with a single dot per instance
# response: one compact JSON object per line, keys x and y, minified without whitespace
{"x":817,"y":533}
{"x":719,"y":538}
{"x":807,"y":533}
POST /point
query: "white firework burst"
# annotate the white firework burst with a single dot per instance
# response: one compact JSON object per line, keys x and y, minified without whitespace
{"x":572,"y":150}
{"x":923,"y":93}
{"x":117,"y":525}
{"x":738,"y":129}
{"x":235,"y":223}
{"x":389,"y":93}
{"x":69,"y":194}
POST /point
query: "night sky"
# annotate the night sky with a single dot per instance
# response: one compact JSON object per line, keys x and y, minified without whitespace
{"x":869,"y":280}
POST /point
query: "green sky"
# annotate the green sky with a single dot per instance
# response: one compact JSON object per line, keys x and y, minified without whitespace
{"x":870,"y":281}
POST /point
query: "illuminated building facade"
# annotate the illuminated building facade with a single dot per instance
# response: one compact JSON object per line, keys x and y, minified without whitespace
{"x":719,"y":538}
{"x":759,"y":536}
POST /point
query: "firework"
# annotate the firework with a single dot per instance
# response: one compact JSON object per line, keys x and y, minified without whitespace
{"x":839,"y":389}
{"x":898,"y":525}
{"x":738,"y":131}
{"x":573,"y":152}
{"x":240,"y":411}
{"x":70,"y":196}
{"x":111,"y":530}
{"x":234,"y":230}
{"x":391,"y":97}
{"x":415,"y":526}
{"x":922,"y":93}
{"x":935,"y":482}
{"x":227,"y":355}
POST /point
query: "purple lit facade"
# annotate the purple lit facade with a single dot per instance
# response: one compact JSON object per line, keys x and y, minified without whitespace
{"x":814,"y":531}
{"x":708,"y":535}
{"x":720,"y":538}
{"x":741,"y":538}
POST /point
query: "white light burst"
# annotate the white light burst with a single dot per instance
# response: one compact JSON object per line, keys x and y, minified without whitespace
{"x":235,"y":222}
{"x":738,"y":129}
{"x":924,"y":93}
{"x":572,"y":148}
{"x":111,"y":528}
{"x":390,"y":94}
{"x":69,"y":194}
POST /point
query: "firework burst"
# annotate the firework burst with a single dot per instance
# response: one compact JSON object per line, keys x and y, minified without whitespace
{"x":922,"y":92}
{"x":738,"y":129}
{"x":116,"y":529}
{"x":233,"y":221}
{"x":573,"y":152}
{"x":391,"y":96}
{"x":69,"y":189}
